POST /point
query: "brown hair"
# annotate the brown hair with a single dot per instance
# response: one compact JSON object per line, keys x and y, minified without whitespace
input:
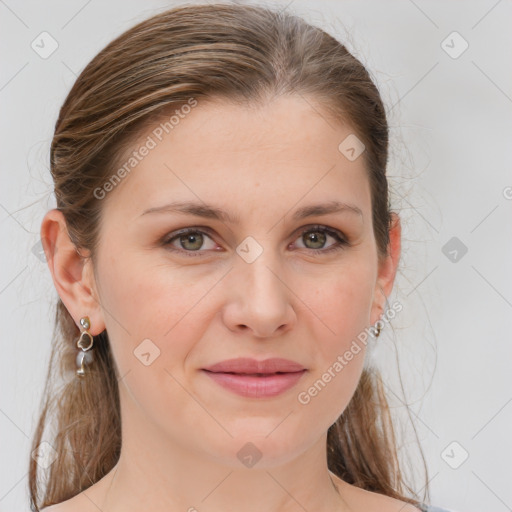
{"x":241,"y":53}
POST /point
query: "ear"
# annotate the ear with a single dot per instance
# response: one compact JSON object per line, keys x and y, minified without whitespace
{"x":387,"y":269}
{"x":72,"y":273}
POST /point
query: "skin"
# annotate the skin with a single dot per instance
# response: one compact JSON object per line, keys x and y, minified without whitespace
{"x":181,"y":431}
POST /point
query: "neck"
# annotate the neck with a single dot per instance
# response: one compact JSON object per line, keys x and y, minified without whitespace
{"x":154,"y":473}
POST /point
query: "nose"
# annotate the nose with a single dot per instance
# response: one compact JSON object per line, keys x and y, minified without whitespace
{"x":259,"y":300}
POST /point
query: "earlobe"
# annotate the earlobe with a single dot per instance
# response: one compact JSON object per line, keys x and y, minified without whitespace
{"x":70,"y":271}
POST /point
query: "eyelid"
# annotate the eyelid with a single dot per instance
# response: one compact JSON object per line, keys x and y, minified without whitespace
{"x":168,"y":238}
{"x":341,"y":239}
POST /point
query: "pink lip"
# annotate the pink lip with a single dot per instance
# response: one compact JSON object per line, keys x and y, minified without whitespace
{"x":268,"y":385}
{"x":248,"y":365}
{"x":257,"y":379}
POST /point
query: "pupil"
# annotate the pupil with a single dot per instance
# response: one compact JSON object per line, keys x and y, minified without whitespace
{"x":197,"y":238}
{"x":313,"y":237}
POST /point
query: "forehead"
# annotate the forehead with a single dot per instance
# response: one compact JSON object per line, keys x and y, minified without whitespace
{"x":226,"y":152}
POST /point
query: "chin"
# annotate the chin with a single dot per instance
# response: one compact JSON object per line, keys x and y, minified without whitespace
{"x":250,"y":448}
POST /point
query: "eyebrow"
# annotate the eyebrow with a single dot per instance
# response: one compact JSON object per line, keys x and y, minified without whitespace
{"x":212,"y":212}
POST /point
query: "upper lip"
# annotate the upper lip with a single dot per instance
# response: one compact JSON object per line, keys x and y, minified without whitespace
{"x":250,"y":366}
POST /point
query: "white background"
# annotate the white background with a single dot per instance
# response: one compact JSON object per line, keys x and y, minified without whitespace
{"x":451,"y":127}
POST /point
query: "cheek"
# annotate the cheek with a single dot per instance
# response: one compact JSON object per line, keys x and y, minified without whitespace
{"x":152,"y":302}
{"x":341,"y":305}
{"x":152,"y":325}
{"x":339,"y":313}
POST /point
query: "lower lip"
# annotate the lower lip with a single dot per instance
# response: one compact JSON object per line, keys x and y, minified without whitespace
{"x":257,"y":387}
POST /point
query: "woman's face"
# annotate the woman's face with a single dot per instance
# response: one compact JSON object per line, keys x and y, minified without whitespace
{"x":258,"y":276}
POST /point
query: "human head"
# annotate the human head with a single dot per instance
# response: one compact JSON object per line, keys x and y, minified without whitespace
{"x":255,"y":57}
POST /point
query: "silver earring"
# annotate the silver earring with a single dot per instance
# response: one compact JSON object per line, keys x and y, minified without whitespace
{"x":84,"y":344}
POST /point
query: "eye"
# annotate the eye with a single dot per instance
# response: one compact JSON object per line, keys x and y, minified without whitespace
{"x":315,"y":237}
{"x":191,"y":240}
{"x":188,"y":241}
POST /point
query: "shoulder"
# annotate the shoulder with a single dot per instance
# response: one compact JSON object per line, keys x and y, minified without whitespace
{"x":84,"y":501}
{"x":361,"y":499}
{"x":60,"y":507}
{"x":75,"y":504}
{"x":387,"y":504}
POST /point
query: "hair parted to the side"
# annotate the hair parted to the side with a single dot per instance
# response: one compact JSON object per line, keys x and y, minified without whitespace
{"x":242,"y":53}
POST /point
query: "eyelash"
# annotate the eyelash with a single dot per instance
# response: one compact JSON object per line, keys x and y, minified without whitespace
{"x":340,"y":244}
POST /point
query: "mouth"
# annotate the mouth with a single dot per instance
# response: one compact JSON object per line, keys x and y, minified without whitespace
{"x":256,"y":385}
{"x":261,"y":374}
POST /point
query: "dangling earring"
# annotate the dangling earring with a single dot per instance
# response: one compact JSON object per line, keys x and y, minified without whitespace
{"x":378,"y":328}
{"x":84,"y":344}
